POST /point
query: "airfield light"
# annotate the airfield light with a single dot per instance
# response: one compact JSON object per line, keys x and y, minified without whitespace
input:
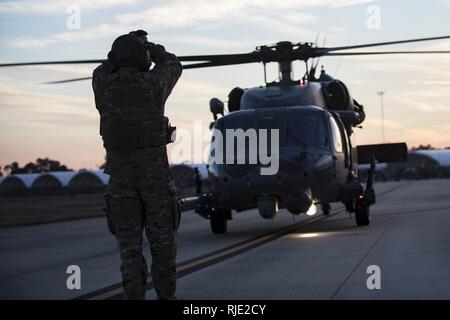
{"x":312,"y":210}
{"x":308,"y":235}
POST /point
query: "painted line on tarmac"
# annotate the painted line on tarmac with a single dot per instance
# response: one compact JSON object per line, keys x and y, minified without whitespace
{"x":190,"y":266}
{"x":198,"y":263}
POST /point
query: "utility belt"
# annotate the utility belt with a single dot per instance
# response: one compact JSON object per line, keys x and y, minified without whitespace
{"x":131,"y":134}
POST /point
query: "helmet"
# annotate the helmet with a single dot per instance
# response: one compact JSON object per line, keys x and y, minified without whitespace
{"x":141,"y":34}
{"x":130,"y":51}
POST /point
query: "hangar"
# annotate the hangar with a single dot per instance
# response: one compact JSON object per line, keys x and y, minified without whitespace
{"x":17,"y":185}
{"x":422,"y":164}
{"x":52,"y":183}
{"x":88,"y":181}
{"x":93,"y":181}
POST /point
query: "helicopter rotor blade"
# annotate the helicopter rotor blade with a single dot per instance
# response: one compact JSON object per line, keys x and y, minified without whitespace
{"x":218,"y":57}
{"x":188,"y":66}
{"x":229,"y":59}
{"x":382,"y":52}
{"x":214,"y":64}
{"x":381,"y":44}
{"x":262,"y":54}
{"x":68,"y":80}
{"x":19,"y":64}
{"x":244,"y":61}
{"x":223,"y":58}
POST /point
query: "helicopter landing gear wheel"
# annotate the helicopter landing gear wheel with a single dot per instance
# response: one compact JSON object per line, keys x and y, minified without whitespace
{"x":326,"y":208}
{"x":362,"y":214}
{"x":218,"y":220}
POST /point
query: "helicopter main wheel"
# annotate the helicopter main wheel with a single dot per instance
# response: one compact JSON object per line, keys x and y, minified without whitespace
{"x":218,"y":220}
{"x":362,"y":214}
{"x":326,"y":208}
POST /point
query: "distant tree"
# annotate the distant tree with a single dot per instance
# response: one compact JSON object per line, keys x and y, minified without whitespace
{"x":47,"y":165}
{"x":30,"y":167}
{"x":41,"y":165}
{"x":424,"y":147}
{"x":12,"y":168}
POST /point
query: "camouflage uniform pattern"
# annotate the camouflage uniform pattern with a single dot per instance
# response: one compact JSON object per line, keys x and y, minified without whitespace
{"x":140,"y":195}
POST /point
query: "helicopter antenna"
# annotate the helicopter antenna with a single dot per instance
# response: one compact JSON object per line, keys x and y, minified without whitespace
{"x":265,"y":73}
{"x":315,"y":63}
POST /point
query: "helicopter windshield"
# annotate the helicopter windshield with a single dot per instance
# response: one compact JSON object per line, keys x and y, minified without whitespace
{"x":306,"y":129}
{"x":298,"y":128}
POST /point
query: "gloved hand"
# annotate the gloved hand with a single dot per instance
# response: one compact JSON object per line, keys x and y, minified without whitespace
{"x":157,"y":52}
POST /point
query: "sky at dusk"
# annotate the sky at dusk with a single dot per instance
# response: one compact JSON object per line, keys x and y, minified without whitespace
{"x":61,"y":122}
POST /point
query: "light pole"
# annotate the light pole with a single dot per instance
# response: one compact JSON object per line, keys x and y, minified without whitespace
{"x":381,"y":94}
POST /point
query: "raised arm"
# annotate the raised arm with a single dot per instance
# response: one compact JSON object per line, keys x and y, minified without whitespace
{"x":98,"y":81}
{"x":167,"y":68}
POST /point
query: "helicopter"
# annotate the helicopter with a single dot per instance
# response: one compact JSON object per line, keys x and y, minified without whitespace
{"x":313,"y":117}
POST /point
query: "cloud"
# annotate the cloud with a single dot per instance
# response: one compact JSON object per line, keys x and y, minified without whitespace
{"x":21,"y":106}
{"x":425,"y":106}
{"x":68,"y":71}
{"x":111,"y":31}
{"x":375,"y":122}
{"x":58,"y":6}
{"x":100,"y":31}
{"x":178,"y":14}
{"x":200,"y":41}
{"x":186,"y":13}
{"x":281,"y":16}
{"x":433,"y":135}
{"x":287,"y":17}
{"x":431,"y":82}
{"x":36,"y":123}
{"x":348,"y":3}
{"x":189,"y":101}
{"x":426,"y":67}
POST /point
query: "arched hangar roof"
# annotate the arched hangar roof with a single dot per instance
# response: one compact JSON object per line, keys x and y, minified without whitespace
{"x":63,"y":177}
{"x":103,"y":177}
{"x":26,"y":179}
{"x":441,"y":157}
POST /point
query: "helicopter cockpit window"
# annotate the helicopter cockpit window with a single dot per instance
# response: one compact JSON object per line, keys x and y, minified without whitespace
{"x":306,"y":129}
{"x":336,"y":133}
{"x":244,"y":122}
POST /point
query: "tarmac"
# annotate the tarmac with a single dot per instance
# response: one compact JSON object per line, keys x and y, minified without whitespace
{"x":319,"y":257}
